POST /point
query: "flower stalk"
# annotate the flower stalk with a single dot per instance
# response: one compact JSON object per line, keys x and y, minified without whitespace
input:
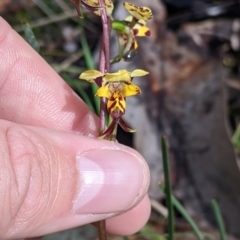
{"x":104,"y":59}
{"x":104,"y":66}
{"x":114,"y":88}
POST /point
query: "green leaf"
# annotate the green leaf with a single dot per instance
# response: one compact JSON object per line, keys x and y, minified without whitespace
{"x":219,"y":219}
{"x":185,"y":214}
{"x":30,"y":35}
{"x":168,"y":189}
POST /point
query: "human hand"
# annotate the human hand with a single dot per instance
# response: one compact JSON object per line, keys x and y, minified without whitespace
{"x":54,"y":174}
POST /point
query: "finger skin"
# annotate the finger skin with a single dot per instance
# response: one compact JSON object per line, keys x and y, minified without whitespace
{"x":33,"y":94}
{"x":131,"y":221}
{"x":43,"y":180}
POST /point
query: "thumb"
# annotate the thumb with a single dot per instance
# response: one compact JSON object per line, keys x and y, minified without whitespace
{"x":51,"y":181}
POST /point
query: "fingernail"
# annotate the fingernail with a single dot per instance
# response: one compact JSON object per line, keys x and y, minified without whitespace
{"x":110,"y":181}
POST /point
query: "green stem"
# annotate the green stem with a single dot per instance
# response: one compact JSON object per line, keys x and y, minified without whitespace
{"x":168,"y":189}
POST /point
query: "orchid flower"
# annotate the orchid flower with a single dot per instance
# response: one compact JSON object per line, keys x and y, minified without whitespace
{"x":115,"y":88}
{"x":127,"y":31}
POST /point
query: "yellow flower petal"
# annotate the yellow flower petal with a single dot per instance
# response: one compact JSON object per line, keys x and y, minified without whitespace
{"x":142,"y":22}
{"x":90,"y":75}
{"x":109,"y":6}
{"x":139,"y":73}
{"x":116,"y":102}
{"x":130,"y":90}
{"x":103,"y":92}
{"x":94,"y":3}
{"x":129,"y":18}
{"x":141,"y":31}
{"x":144,"y":13}
{"x":123,"y":75}
{"x":120,"y":76}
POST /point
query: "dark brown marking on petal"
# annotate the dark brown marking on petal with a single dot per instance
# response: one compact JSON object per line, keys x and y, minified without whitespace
{"x":148,"y":33}
{"x":141,"y":24}
{"x":112,"y":106}
{"x":138,"y":91}
{"x":135,"y":32}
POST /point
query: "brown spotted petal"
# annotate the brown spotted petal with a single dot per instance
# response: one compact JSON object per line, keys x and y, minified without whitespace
{"x":91,"y":6}
{"x":140,"y":30}
{"x":95,"y":4}
{"x":138,"y":13}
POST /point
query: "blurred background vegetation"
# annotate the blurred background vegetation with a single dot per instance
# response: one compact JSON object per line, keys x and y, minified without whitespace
{"x":191,"y":35}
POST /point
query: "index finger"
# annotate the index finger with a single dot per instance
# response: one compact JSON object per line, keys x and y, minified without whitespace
{"x":32,"y":93}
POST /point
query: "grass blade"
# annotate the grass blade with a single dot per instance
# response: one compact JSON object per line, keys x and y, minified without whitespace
{"x":90,"y":65}
{"x":219,"y":219}
{"x":185,"y":215}
{"x":30,"y":35}
{"x":168,"y":189}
